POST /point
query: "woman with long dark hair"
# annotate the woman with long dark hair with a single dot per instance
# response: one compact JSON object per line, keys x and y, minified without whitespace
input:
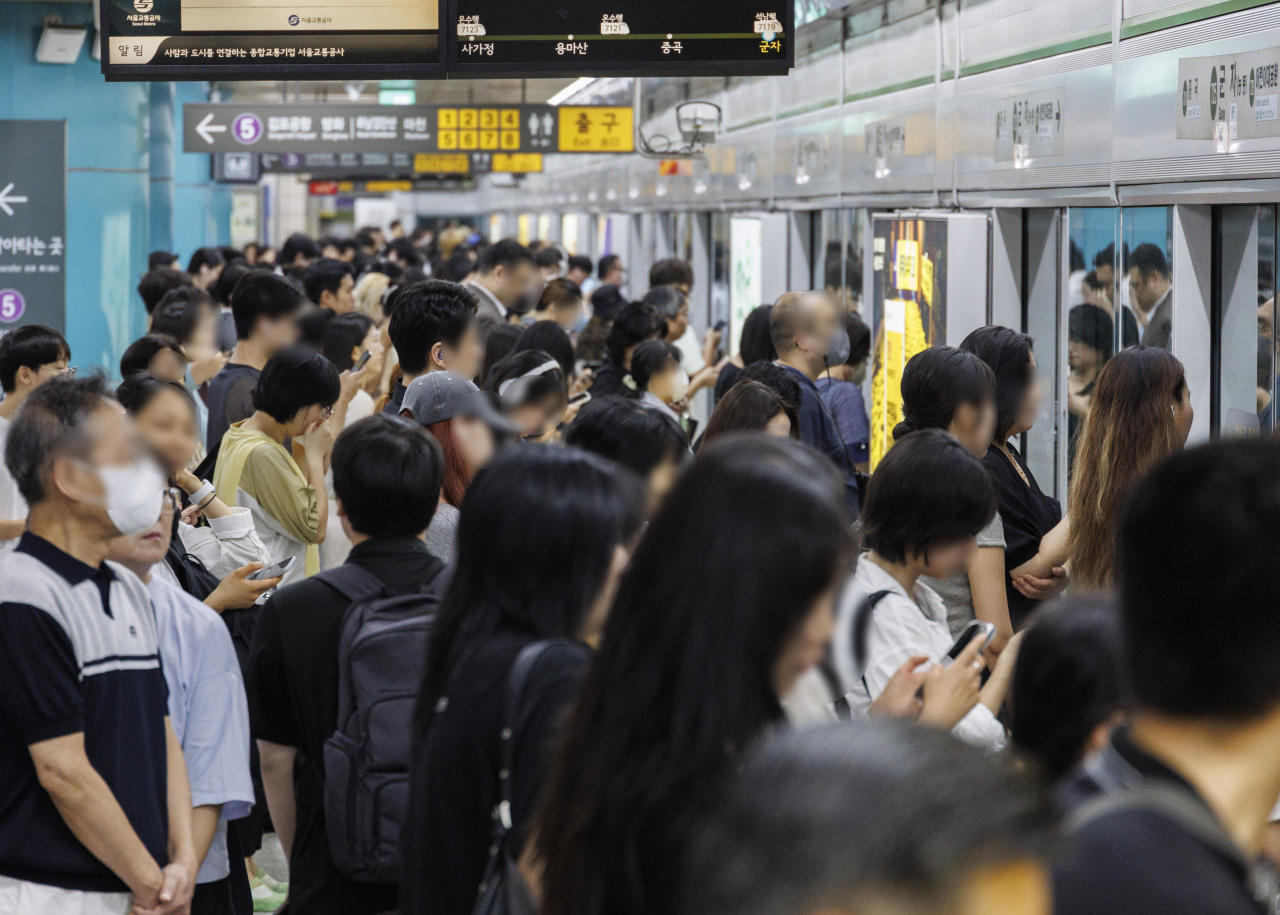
{"x":1026,"y":513}
{"x":754,"y":345}
{"x":541,"y":543}
{"x":1141,"y":412}
{"x":727,"y":601}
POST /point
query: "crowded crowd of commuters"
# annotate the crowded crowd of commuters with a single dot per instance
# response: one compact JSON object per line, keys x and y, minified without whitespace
{"x":485,"y":589}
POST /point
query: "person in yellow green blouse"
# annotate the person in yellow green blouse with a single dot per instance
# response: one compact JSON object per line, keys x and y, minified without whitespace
{"x":284,"y":488}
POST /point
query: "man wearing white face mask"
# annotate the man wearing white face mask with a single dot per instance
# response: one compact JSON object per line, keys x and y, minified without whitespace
{"x":91,"y":775}
{"x":809,"y":334}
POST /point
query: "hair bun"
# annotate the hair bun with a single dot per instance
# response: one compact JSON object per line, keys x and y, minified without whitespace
{"x":904,"y":428}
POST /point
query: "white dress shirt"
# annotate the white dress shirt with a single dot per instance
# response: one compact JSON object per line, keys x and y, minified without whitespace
{"x":902,"y":625}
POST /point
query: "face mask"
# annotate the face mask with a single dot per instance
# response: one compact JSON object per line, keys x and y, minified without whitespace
{"x":134,"y":495}
{"x":680,"y":387}
{"x":838,"y":347}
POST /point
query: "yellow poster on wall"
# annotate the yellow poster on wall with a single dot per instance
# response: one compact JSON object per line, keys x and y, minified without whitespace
{"x":907,"y":264}
{"x":926,"y":279}
{"x":901,"y":338}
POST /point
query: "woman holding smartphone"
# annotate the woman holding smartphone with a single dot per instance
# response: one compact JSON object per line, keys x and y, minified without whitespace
{"x":927,"y":501}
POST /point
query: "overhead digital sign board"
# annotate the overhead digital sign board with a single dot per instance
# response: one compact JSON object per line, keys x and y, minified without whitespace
{"x":588,"y":38}
{"x":389,"y":129}
{"x":248,"y":39}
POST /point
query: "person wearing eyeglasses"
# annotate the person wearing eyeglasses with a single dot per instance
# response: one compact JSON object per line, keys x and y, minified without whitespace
{"x":29,"y":356}
{"x":285,"y":492}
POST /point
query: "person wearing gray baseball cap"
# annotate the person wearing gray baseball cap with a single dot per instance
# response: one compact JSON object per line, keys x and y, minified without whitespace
{"x":464,"y":422}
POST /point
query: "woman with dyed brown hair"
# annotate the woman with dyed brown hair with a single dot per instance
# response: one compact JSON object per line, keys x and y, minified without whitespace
{"x":1141,"y":412}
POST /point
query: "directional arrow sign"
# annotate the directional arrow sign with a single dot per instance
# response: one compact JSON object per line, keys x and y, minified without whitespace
{"x":6,"y":198}
{"x":207,"y":128}
{"x":33,"y":258}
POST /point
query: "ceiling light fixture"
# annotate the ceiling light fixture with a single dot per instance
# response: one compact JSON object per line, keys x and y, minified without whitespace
{"x":571,"y":90}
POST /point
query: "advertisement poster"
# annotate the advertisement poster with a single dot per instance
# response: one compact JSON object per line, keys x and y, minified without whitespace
{"x":745,"y":271}
{"x":908,"y":311}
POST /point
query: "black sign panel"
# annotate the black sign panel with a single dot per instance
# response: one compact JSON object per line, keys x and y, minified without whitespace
{"x":246,"y":39}
{"x":33,"y":223}
{"x":638,"y":37}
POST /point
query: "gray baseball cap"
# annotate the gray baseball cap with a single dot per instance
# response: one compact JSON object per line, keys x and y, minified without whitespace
{"x":437,"y":396}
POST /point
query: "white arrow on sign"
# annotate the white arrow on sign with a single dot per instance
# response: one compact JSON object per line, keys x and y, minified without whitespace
{"x":6,"y":199}
{"x":207,"y":128}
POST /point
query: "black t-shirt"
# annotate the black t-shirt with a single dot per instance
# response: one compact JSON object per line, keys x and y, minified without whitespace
{"x":293,"y":701}
{"x":1137,"y":862}
{"x":455,"y":785}
{"x":1027,"y":515}
{"x":230,"y":399}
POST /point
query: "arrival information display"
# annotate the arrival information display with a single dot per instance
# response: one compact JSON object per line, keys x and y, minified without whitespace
{"x":387,"y":129}
{"x":587,"y":37}
{"x":249,"y":39}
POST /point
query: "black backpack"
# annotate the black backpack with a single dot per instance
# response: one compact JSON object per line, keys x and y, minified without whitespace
{"x":382,"y":652}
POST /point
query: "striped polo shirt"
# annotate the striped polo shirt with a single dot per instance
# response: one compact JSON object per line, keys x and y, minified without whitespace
{"x":78,"y":653}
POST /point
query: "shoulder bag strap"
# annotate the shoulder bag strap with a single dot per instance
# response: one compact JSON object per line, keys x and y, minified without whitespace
{"x":517,"y":680}
{"x":859,"y":633}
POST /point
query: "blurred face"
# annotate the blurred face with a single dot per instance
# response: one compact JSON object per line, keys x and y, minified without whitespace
{"x":974,"y":427}
{"x":307,"y":419}
{"x":1183,"y":414}
{"x":679,"y":324}
{"x":330,"y":250}
{"x":1267,"y":318}
{"x":662,"y":384}
{"x":569,"y":314}
{"x":616,"y":275}
{"x":945,"y":561}
{"x":473,"y":439}
{"x":824,"y":321}
{"x":1017,"y":888}
{"x":167,"y":365}
{"x":780,"y":426}
{"x":30,"y":379}
{"x":205,"y":277}
{"x":372,"y":343}
{"x":113,"y":442}
{"x":465,"y":359}
{"x":273,"y":334}
{"x":344,"y":299}
{"x":1031,"y":400}
{"x":203,"y":342}
{"x":169,"y":428}
{"x":516,"y":281}
{"x":1106,"y":276}
{"x":1082,"y":357}
{"x":140,"y":552}
{"x":537,"y":418}
{"x":661,"y":478}
{"x":807,"y":645}
{"x":578,"y":275}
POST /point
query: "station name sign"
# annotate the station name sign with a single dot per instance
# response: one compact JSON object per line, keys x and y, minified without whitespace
{"x":1229,"y":97}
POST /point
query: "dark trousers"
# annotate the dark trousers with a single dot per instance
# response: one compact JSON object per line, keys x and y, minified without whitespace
{"x":214,"y":898}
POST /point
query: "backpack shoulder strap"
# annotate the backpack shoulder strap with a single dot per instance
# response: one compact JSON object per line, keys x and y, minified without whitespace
{"x":859,"y":633}
{"x":1169,"y":802}
{"x":352,"y":581}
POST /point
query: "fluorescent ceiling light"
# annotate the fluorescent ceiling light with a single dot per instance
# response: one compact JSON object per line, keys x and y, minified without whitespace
{"x":570,"y":90}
